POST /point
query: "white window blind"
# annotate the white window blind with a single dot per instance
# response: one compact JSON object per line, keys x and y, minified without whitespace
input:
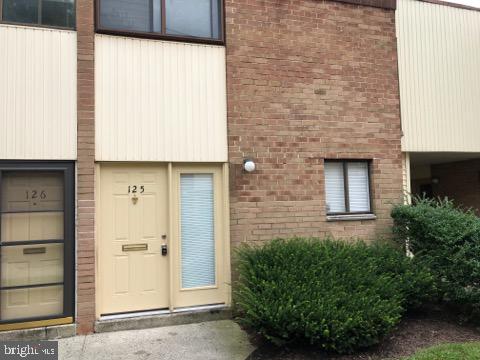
{"x":351,"y":177}
{"x":197,"y":230}
{"x":358,"y":188}
{"x":334,"y":187}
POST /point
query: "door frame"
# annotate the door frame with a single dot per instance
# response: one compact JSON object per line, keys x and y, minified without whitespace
{"x":213,"y":294}
{"x":173,"y":169}
{"x":68,"y":169}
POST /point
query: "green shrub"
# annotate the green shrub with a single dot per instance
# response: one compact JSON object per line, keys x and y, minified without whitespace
{"x":447,"y":240}
{"x":331,"y":294}
{"x":414,"y":279}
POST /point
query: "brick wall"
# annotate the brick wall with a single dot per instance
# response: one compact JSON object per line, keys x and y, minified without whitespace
{"x":459,"y":181}
{"x":85,"y":168}
{"x":309,"y":80}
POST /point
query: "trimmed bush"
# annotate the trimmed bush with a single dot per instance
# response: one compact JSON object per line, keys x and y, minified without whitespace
{"x":447,"y":240}
{"x":414,"y":279}
{"x":337,"y":296}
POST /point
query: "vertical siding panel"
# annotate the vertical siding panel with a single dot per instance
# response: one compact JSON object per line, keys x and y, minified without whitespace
{"x":37,"y":93}
{"x":168,"y":104}
{"x":401,"y":67}
{"x":167,"y":135}
{"x":3,"y":93}
{"x":160,"y":69}
{"x":211,"y":117}
{"x":218,"y":78}
{"x":177,"y":114}
{"x":10,"y":76}
{"x":46,"y":74}
{"x":20,"y":88}
{"x":98,"y":79}
{"x":116,"y":89}
{"x":439,"y":70}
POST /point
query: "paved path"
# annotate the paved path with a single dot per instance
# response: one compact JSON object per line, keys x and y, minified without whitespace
{"x":215,"y":340}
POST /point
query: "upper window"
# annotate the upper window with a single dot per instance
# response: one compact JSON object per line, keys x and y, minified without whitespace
{"x":347,"y":187}
{"x":181,"y":19}
{"x":54,"y":13}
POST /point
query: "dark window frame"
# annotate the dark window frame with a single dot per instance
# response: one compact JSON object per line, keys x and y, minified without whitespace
{"x":163,"y":35}
{"x":38,"y":24}
{"x":68,"y":169}
{"x":344,"y":163}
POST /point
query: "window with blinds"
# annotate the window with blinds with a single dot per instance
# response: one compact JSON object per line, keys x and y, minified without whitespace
{"x":347,"y":187}
{"x":197,"y":230}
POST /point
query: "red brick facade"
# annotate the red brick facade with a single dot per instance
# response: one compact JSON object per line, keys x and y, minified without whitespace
{"x":459,"y":181}
{"x":85,"y":303}
{"x":309,"y":80}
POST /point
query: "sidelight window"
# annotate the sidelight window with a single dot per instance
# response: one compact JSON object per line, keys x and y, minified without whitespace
{"x":197,"y":230}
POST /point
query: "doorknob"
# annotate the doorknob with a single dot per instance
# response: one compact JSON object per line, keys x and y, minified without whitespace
{"x":164,"y":250}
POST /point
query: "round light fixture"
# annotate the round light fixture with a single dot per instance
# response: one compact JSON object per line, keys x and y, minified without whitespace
{"x":248,"y":165}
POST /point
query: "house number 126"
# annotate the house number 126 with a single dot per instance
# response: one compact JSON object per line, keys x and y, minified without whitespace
{"x":35,"y":194}
{"x":133,"y":189}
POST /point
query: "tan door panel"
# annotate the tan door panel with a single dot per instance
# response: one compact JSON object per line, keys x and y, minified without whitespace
{"x":31,"y":265}
{"x":35,"y":302}
{"x":29,"y":194}
{"x":133,"y":274}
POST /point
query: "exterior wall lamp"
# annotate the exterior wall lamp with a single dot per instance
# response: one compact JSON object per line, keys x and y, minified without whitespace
{"x":249,"y":165}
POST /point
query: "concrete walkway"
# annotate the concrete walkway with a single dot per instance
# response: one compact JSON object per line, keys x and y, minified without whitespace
{"x":215,"y":340}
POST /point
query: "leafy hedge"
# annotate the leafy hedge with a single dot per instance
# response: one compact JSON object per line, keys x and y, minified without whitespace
{"x":447,"y":240}
{"x":332,"y":294}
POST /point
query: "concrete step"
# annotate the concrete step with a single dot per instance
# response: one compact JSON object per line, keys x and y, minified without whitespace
{"x":169,"y":319}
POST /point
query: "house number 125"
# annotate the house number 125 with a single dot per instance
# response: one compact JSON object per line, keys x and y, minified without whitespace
{"x":133,"y":189}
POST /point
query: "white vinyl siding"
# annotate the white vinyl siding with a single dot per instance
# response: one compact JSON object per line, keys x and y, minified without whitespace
{"x":358,"y":188}
{"x":334,"y":187}
{"x":159,"y":101}
{"x":197,"y":230}
{"x":353,"y":177}
{"x":439,"y":72}
{"x":38,"y":94}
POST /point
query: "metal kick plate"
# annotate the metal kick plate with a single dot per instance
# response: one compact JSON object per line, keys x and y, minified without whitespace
{"x":135,"y":247}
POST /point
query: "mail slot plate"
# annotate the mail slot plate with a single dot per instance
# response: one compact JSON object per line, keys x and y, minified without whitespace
{"x":135,"y":247}
{"x":36,"y":250}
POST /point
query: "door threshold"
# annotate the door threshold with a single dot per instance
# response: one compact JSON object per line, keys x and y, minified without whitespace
{"x":133,"y":314}
{"x":199,"y":308}
{"x":159,"y":318}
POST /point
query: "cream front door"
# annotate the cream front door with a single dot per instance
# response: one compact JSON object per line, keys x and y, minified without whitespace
{"x":133,"y":223}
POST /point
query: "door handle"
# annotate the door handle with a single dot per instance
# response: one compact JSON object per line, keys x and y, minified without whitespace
{"x":135,"y":247}
{"x":164,"y":250}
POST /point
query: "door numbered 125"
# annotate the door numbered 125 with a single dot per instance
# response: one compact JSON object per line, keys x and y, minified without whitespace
{"x":134,"y":189}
